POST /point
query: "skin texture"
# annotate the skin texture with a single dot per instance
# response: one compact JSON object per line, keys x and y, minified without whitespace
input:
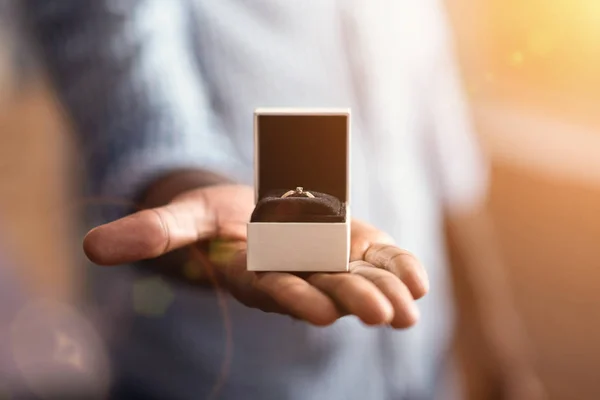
{"x":185,"y":212}
{"x":504,"y":341}
{"x":381,"y":287}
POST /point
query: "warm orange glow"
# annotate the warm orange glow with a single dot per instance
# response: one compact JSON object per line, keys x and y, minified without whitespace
{"x":516,"y":59}
{"x":542,"y":52}
{"x":540,"y":42}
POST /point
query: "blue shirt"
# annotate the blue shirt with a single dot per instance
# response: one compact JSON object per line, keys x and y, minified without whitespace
{"x":154,"y":86}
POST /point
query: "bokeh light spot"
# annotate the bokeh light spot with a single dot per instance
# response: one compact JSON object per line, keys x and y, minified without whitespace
{"x":471,"y":89}
{"x":58,"y":353}
{"x":224,"y":252}
{"x":516,"y":59}
{"x":152,"y":297}
{"x":68,"y":351}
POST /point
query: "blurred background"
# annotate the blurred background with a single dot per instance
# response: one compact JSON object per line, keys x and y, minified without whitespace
{"x":532,"y":71}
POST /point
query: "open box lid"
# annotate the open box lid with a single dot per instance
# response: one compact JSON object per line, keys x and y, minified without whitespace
{"x":302,"y":147}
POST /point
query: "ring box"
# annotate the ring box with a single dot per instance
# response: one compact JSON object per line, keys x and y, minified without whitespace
{"x":307,"y":148}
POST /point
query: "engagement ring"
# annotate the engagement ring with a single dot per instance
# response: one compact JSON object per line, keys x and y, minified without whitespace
{"x":298,"y":191}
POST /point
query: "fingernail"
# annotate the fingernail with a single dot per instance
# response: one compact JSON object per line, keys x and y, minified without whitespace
{"x":388,"y":312}
{"x":415,"y":312}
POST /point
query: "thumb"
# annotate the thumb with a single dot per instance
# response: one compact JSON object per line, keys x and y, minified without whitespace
{"x":201,"y":214}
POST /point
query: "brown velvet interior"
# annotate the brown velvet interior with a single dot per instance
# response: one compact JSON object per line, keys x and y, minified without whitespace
{"x":303,"y":150}
{"x":310,"y":151}
{"x":298,"y":208}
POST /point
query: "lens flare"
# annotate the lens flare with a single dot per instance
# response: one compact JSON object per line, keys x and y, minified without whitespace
{"x":58,"y":352}
{"x":152,"y":296}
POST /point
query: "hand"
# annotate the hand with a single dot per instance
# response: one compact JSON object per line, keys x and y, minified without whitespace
{"x":380,"y":288}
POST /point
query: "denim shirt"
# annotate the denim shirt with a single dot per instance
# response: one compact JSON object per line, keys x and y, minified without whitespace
{"x":158,"y":85}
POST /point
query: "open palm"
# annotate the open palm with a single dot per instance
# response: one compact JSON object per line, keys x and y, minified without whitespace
{"x":381,"y":286}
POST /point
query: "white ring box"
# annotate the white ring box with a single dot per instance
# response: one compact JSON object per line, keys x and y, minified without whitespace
{"x":307,"y":148}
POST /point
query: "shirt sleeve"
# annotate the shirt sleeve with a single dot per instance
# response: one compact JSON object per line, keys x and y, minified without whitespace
{"x":127,"y":75}
{"x":459,"y":160}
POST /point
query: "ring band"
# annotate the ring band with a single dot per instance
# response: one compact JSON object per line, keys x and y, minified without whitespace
{"x":299,"y":191}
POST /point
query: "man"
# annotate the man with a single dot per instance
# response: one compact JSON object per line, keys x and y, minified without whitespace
{"x":161,"y":94}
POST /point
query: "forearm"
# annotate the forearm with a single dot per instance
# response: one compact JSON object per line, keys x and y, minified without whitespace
{"x":482,"y":267}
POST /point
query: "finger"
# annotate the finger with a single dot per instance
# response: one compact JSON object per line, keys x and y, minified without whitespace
{"x":406,"y":313}
{"x":402,"y":264}
{"x":274,"y":292}
{"x":363,"y":236}
{"x":356,"y":295}
{"x":228,"y":272}
{"x":296,"y":295}
{"x":203,"y":214}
